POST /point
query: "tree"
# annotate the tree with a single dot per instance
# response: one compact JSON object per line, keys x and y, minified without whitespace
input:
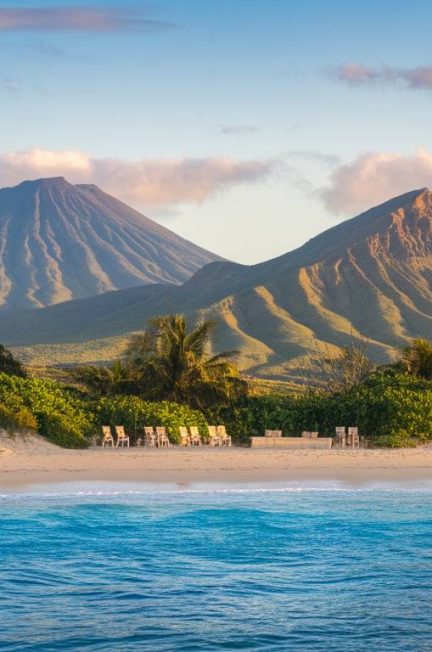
{"x":417,"y":358}
{"x":10,"y":365}
{"x":172,"y":362}
{"x":106,"y":381}
{"x":340,"y":372}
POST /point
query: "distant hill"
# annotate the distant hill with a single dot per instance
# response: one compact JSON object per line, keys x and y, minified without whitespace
{"x":60,"y":241}
{"x":370,"y":276}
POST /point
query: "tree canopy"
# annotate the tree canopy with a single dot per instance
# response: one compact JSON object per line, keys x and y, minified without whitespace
{"x":173,"y":362}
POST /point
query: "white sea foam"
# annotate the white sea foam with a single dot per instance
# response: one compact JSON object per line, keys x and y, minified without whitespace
{"x":100,"y":489}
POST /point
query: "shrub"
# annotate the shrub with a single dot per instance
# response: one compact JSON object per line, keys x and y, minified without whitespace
{"x":9,"y":364}
{"x":383,"y":407}
{"x":398,"y":439}
{"x":134,"y":413}
{"x":57,"y":414}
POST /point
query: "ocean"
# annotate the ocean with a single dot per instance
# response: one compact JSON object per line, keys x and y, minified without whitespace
{"x":310,"y":568}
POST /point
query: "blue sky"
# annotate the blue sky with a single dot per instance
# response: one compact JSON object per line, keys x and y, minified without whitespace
{"x":246,"y":126}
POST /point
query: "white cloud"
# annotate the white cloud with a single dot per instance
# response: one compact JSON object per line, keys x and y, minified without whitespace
{"x":374,"y":178}
{"x":156,"y":182}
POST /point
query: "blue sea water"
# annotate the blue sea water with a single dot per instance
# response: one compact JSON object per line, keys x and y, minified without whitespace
{"x":261,"y":569}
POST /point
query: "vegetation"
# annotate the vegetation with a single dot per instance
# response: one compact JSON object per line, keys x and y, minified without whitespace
{"x":167,"y":378}
{"x":134,"y":413}
{"x":106,"y":381}
{"x":32,"y":403}
{"x":339,"y":373}
{"x":171,"y":362}
{"x":9,"y":364}
{"x":417,"y":358}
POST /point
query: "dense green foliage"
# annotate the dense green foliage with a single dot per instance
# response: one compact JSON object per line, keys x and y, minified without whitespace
{"x":33,"y":403}
{"x":417,"y":358}
{"x":134,"y":413}
{"x":391,"y":406}
{"x":389,"y":409}
{"x":9,"y":364}
{"x":106,"y":381}
{"x":172,"y":363}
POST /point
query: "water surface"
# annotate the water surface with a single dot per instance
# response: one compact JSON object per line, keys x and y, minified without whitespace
{"x":289,"y":569}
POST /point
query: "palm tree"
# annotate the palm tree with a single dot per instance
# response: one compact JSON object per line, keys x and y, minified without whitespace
{"x":173,"y":363}
{"x":417,"y":358}
{"x":105,"y":381}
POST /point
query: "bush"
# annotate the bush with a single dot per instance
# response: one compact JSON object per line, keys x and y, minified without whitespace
{"x":134,"y":413}
{"x":43,"y":404}
{"x":398,"y":439}
{"x":383,"y":407}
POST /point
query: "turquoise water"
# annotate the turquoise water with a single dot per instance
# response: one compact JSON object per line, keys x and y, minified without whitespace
{"x":295,"y":569}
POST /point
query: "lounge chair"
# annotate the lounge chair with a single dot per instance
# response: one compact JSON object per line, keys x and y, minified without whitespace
{"x":224,"y":436}
{"x":148,"y":438}
{"x":122,"y":437}
{"x":214,"y":439}
{"x":107,"y":438}
{"x":341,"y":436}
{"x":306,"y":434}
{"x":195,"y":437}
{"x":314,"y":435}
{"x":162,"y":437}
{"x":185,"y":439}
{"x":353,"y":438}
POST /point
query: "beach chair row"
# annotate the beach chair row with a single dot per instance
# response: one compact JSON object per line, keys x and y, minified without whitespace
{"x":158,"y":438}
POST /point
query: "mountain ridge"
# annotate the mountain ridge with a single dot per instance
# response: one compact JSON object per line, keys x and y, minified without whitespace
{"x":369,"y":277}
{"x":60,"y":241}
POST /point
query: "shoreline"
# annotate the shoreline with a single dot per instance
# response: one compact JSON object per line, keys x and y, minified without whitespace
{"x":33,"y":461}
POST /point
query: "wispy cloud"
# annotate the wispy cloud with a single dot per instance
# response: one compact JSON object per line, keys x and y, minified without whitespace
{"x":357,"y":75}
{"x":148,"y":182}
{"x":375,"y":177}
{"x":78,"y":18}
{"x":238,"y":130}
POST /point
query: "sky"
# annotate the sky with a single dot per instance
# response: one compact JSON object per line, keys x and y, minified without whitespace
{"x":246,"y":126}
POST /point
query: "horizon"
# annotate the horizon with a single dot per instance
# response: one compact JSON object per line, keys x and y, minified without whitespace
{"x":281,"y":130}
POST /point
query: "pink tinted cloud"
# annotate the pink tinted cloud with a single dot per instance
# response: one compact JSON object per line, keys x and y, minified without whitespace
{"x":148,"y":182}
{"x":413,"y":78}
{"x":77,"y":18}
{"x":374,"y":178}
{"x":354,"y":73}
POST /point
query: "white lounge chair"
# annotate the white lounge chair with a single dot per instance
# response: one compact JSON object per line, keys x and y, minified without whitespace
{"x":162,"y":437}
{"x":224,"y":436}
{"x":214,"y":439}
{"x":122,"y":437}
{"x":195,"y":437}
{"x":341,"y":436}
{"x":185,"y":439}
{"x":107,"y":439}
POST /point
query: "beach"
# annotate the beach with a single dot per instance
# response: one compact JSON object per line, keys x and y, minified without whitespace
{"x":31,"y":460}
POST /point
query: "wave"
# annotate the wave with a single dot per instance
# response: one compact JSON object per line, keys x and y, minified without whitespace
{"x":99,"y":489}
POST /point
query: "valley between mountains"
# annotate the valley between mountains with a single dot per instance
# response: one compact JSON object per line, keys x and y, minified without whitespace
{"x":367,"y":277}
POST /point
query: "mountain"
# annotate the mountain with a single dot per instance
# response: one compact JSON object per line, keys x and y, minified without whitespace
{"x":60,"y":241}
{"x":370,"y":276}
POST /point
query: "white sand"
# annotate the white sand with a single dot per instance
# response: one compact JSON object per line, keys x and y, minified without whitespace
{"x":31,"y":460}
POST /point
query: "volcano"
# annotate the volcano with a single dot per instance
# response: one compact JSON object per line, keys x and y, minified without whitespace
{"x":60,"y":241}
{"x":368,"y":277}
